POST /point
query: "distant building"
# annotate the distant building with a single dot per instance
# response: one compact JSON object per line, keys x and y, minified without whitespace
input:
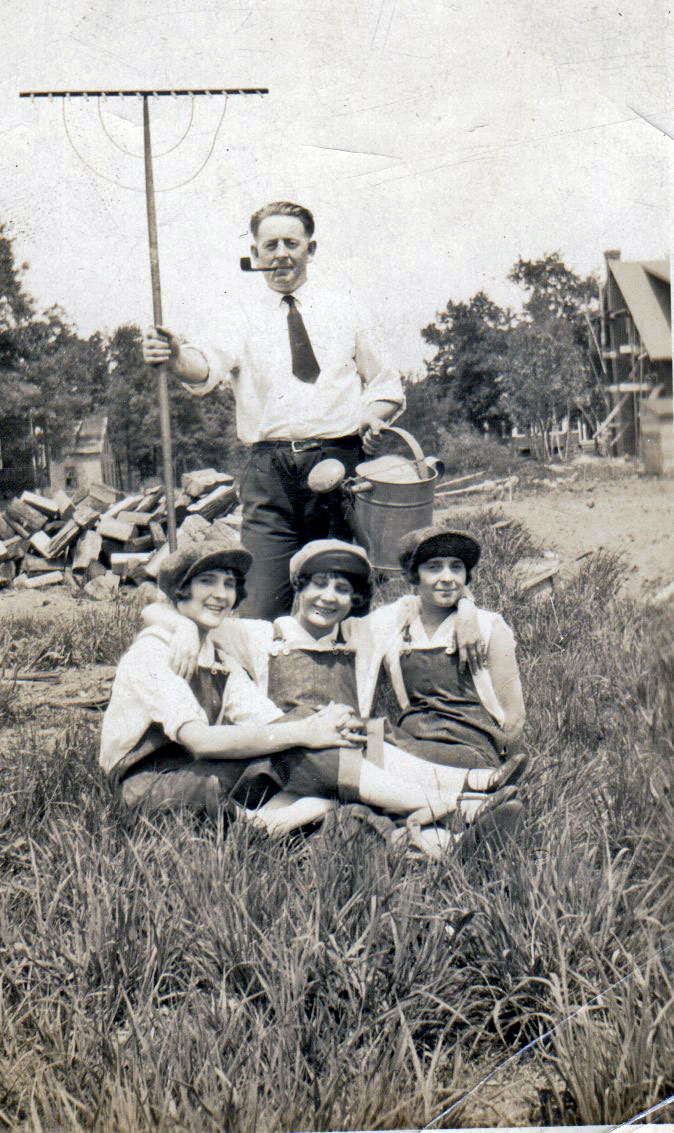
{"x":87,"y":457}
{"x":635,"y":339}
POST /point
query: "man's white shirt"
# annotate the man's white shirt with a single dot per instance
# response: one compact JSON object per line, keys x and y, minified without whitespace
{"x":255,"y":362}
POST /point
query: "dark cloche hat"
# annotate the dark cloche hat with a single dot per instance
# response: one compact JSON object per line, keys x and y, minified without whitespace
{"x":430,"y":542}
{"x":223,"y":552}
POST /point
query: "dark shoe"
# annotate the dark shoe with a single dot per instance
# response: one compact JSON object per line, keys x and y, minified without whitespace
{"x":343,"y":817}
{"x":493,"y":828}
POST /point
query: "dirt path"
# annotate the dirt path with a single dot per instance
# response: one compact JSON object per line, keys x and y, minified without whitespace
{"x":633,"y":516}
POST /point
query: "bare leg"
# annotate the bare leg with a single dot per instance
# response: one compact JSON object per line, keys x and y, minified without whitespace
{"x":400,"y":796}
{"x":444,"y":778}
{"x":286,"y":812}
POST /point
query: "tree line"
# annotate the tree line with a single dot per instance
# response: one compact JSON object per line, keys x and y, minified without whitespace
{"x":51,"y":377}
{"x":496,"y":368}
{"x":491,"y":368}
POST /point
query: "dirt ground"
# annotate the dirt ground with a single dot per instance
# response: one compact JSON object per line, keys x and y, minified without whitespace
{"x":593,"y":506}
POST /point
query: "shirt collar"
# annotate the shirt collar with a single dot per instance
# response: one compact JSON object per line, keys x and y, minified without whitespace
{"x":294,"y":633}
{"x":443,"y":635}
{"x":275,"y":299}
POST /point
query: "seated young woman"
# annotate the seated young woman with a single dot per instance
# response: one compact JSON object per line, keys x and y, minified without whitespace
{"x":167,"y":742}
{"x":460,"y":716}
{"x":304,"y":661}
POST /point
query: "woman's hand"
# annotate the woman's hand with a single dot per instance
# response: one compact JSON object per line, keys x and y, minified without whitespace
{"x":184,"y":649}
{"x":469,"y":641}
{"x":336,"y":725}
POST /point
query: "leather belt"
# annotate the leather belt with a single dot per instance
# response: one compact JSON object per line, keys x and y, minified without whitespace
{"x":310,"y":443}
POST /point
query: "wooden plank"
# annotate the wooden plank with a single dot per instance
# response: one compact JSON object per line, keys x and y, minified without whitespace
{"x":196,"y":484}
{"x":6,"y":529}
{"x":149,"y":501}
{"x":27,"y":516}
{"x":53,"y":578}
{"x":121,"y":562}
{"x":64,"y":503}
{"x":157,"y":533}
{"x":458,"y":480}
{"x":103,"y":493}
{"x":41,"y":542}
{"x":125,"y":504}
{"x":17,"y":527}
{"x":11,"y":549}
{"x":33,"y":564}
{"x":87,"y":550}
{"x":154,"y":562}
{"x":140,"y":543}
{"x":218,"y":502}
{"x":136,"y":518}
{"x":115,"y":529}
{"x":41,"y":503}
{"x":65,"y":537}
{"x":85,"y":515}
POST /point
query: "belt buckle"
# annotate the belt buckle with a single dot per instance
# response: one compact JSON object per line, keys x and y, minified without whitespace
{"x":303,"y":446}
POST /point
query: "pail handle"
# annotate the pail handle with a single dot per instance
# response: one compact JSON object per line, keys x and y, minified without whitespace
{"x":424,"y":471}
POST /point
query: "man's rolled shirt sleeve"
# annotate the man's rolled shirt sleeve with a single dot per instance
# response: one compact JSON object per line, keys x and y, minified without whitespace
{"x":222,"y":367}
{"x":381,"y":381}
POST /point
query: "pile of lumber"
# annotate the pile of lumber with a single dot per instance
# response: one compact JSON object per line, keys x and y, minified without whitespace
{"x":103,"y":535}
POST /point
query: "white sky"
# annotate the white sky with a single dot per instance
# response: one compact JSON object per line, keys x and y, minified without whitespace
{"x":435,"y":141}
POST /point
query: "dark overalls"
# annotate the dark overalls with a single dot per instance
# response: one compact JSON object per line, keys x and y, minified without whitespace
{"x":311,"y":677}
{"x":445,"y":721}
{"x":302,"y":680}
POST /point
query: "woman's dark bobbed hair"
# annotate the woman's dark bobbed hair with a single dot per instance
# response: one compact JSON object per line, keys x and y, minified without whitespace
{"x":416,"y":547}
{"x":363,"y":588}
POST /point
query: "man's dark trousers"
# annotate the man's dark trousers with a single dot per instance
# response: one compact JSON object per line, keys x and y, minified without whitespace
{"x":281,"y":514}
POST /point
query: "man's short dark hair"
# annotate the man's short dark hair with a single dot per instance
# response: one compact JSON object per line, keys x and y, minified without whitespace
{"x":283,"y":208}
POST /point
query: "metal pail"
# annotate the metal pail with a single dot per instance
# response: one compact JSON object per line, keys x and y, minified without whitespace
{"x":380,"y":513}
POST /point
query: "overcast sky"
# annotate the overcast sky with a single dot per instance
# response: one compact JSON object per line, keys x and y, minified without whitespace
{"x":434,"y":141}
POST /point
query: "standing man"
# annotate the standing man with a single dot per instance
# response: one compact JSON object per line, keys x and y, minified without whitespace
{"x":308,"y":385}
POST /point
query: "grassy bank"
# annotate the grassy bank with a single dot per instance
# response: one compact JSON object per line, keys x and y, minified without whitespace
{"x":162,"y":976}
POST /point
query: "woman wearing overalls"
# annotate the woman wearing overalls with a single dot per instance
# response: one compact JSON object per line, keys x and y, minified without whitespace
{"x":453,"y":715}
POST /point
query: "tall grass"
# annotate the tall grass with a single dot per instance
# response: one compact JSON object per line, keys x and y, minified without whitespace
{"x":161,"y":975}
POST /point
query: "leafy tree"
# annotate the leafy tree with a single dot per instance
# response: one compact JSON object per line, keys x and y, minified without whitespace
{"x":49,"y":376}
{"x":544,"y":377}
{"x":555,"y":292}
{"x":471,"y":343}
{"x":493,"y":367}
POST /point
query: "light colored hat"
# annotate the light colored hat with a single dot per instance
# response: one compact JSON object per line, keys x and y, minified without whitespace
{"x":430,"y":542}
{"x":328,"y":555}
{"x":223,"y":552}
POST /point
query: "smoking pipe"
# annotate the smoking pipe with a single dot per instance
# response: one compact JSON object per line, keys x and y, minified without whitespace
{"x":246,"y":265}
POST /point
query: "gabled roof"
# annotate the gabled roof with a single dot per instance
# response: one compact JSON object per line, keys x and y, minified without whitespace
{"x":658,"y":268}
{"x":645,"y":289}
{"x":89,"y":436}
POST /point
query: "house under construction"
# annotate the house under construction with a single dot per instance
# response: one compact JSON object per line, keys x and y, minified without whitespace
{"x":635,"y":339}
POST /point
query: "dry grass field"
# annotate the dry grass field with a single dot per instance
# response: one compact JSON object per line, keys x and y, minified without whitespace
{"x":171,"y":976}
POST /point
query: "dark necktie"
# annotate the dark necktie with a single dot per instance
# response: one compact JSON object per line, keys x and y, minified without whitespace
{"x":305,"y":366}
